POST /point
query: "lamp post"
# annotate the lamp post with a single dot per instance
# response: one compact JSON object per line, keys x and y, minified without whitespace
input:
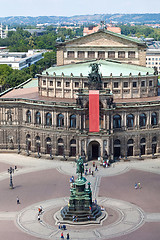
{"x":19,"y":148}
{"x":51,"y":151}
{"x":10,"y":171}
{"x":38,"y":150}
{"x":27,"y":147}
{"x":140,"y":151}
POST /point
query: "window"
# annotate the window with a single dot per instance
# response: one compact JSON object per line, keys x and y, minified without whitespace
{"x":149,"y":58}
{"x":125,"y":84}
{"x":134,"y":84}
{"x":130,"y":120}
{"x":73,"y":147}
{"x":121,"y":54}
{"x":51,"y":83}
{"x":111,"y":54}
{"x":131,"y":54}
{"x":91,"y":54}
{"x":105,"y":85}
{"x":143,"y":83}
{"x":115,"y":84}
{"x":150,"y":83}
{"x":152,"y":58}
{"x":38,"y":118}
{"x":60,"y":147}
{"x":101,"y":55}
{"x":142,"y":120}
{"x":76,"y":84}
{"x":85,"y":85}
{"x":60,"y":120}
{"x":58,"y":84}
{"x":67,"y":84}
{"x":48,"y":119}
{"x":81,"y":54}
{"x":28,"y":116}
{"x":48,"y":145}
{"x":116,"y":121}
{"x":154,"y":119}
{"x":44,"y":82}
{"x":73,"y":121}
{"x":70,"y":54}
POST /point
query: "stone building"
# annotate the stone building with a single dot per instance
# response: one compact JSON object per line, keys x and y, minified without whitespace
{"x":102,"y":45}
{"x":50,"y":115}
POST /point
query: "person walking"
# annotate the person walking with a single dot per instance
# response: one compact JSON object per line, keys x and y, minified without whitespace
{"x":139,"y":185}
{"x":39,"y":219}
{"x":67,"y":236}
{"x":135,"y":186}
{"x":62,"y":235}
{"x":18,"y":200}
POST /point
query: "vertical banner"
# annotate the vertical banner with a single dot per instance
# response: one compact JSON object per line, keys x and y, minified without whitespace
{"x":93,"y":110}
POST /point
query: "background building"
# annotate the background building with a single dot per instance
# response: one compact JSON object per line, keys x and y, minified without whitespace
{"x":102,"y":45}
{"x":20,"y":60}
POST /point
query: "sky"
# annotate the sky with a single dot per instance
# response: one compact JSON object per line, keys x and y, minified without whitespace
{"x":75,"y":7}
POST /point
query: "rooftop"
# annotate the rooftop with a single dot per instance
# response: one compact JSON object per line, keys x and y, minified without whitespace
{"x":106,"y":68}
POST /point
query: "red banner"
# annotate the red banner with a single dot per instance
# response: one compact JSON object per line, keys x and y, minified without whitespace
{"x":93,"y":111}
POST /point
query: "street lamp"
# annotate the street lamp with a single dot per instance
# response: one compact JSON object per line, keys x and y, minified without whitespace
{"x":10,"y":171}
{"x":19,"y":148}
{"x":27,"y":147}
{"x":51,"y":151}
{"x":38,"y":149}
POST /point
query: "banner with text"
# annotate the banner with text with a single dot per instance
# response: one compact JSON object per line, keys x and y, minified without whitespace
{"x":93,"y":111}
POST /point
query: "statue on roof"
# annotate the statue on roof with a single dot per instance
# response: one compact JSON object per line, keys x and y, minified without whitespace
{"x":94,"y":78}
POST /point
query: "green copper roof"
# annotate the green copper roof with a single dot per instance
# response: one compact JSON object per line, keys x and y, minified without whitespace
{"x":106,"y":68}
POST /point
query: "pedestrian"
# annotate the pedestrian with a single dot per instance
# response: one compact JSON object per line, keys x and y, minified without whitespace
{"x":18,"y":200}
{"x":95,"y":201}
{"x":62,"y":235}
{"x":39,"y":218}
{"x":135,"y":186}
{"x":67,"y":236}
{"x":96,"y":169}
{"x":72,"y":179}
{"x":89,"y":170}
{"x":139,"y":185}
{"x":92,"y":173}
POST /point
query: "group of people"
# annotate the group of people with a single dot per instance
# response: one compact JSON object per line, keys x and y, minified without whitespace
{"x":62,"y":236}
{"x":137,"y":185}
{"x":40,"y":210}
{"x":75,"y":218}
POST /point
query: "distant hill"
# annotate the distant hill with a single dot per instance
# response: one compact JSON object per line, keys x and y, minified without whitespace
{"x":77,"y":19}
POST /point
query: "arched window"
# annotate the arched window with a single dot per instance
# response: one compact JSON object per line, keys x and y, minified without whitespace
{"x":48,"y":145}
{"x":38,"y":118}
{"x":28,"y":142}
{"x":130,"y":147}
{"x":117,"y":121}
{"x":154,"y":119}
{"x":73,"y":148}
{"x":60,"y":120}
{"x":48,"y":119}
{"x":130,"y":120}
{"x":28,"y":116}
{"x":117,"y":148}
{"x":154,"y":145}
{"x":73,"y":121}
{"x":60,"y":147}
{"x":143,"y":146}
{"x":37,"y":144}
{"x":142,"y":120}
